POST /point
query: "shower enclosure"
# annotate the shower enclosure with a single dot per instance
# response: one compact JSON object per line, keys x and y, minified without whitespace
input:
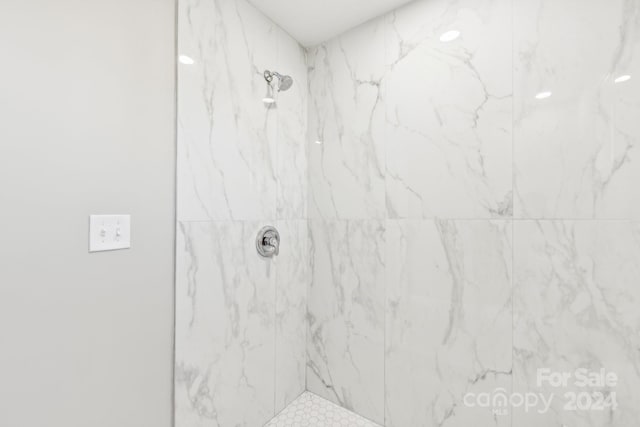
{"x":455,"y":190}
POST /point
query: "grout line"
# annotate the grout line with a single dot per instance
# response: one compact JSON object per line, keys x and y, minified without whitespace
{"x":172,"y":399}
{"x":310,"y":271}
{"x":277,"y":215}
{"x":513,"y":295}
{"x":385,"y":104}
{"x":513,"y":198}
{"x":275,"y":334}
{"x":310,"y":265}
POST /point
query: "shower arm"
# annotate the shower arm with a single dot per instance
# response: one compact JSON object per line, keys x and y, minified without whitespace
{"x":284,"y":82}
{"x":269,"y":75}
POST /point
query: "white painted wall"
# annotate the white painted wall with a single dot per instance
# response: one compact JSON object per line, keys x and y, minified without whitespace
{"x":86,"y":126}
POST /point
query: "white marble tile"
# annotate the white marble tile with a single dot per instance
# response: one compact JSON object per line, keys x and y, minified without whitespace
{"x":346,"y":315}
{"x":310,"y":410}
{"x":293,"y":272}
{"x":241,"y":341}
{"x":448,"y":320}
{"x":346,"y":114}
{"x":576,"y":152}
{"x":226,"y":136}
{"x":292,"y":145}
{"x":224,"y":326}
{"x":448,"y":110}
{"x":576,"y":300}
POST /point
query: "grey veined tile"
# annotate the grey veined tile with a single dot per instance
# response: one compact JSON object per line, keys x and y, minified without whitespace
{"x":346,"y":315}
{"x":576,"y":299}
{"x":346,"y":115}
{"x":292,"y":144}
{"x":449,"y":110}
{"x":227,"y":139}
{"x":224,"y":326}
{"x":293,"y":272}
{"x":448,"y":320}
{"x":576,"y":150}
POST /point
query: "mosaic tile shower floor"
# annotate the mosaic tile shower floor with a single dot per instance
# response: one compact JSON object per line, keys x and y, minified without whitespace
{"x":310,"y":410}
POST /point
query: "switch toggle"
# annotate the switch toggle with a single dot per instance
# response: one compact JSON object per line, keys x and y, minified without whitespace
{"x":109,"y":232}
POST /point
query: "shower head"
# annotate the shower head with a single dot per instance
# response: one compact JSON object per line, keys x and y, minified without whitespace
{"x":284,"y":82}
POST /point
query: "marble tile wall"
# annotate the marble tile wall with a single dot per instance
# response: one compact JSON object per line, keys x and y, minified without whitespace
{"x":410,"y":201}
{"x":448,"y":319}
{"x":576,"y":171}
{"x":575,"y":153}
{"x":465,"y":233}
{"x":240,"y":319}
{"x":576,"y":300}
{"x":346,"y":314}
{"x":449,"y":233}
{"x":449,"y":126}
{"x":346,"y":115}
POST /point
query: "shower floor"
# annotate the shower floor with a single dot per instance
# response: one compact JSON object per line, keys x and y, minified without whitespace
{"x":310,"y":410}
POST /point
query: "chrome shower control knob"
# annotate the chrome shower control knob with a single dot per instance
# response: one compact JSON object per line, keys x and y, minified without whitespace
{"x":268,"y":242}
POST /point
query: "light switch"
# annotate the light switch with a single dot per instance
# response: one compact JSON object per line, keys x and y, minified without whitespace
{"x":109,"y":232}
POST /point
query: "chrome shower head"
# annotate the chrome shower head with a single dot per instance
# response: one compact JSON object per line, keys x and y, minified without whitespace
{"x":284,"y":82}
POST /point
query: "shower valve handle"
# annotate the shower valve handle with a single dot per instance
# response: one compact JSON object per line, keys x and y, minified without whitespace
{"x":268,"y":242}
{"x":273,"y":243}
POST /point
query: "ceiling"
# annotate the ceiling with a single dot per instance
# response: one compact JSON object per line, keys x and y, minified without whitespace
{"x":313,"y":21}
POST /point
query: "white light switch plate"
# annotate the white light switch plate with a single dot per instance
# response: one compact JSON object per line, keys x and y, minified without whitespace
{"x":109,"y":232}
